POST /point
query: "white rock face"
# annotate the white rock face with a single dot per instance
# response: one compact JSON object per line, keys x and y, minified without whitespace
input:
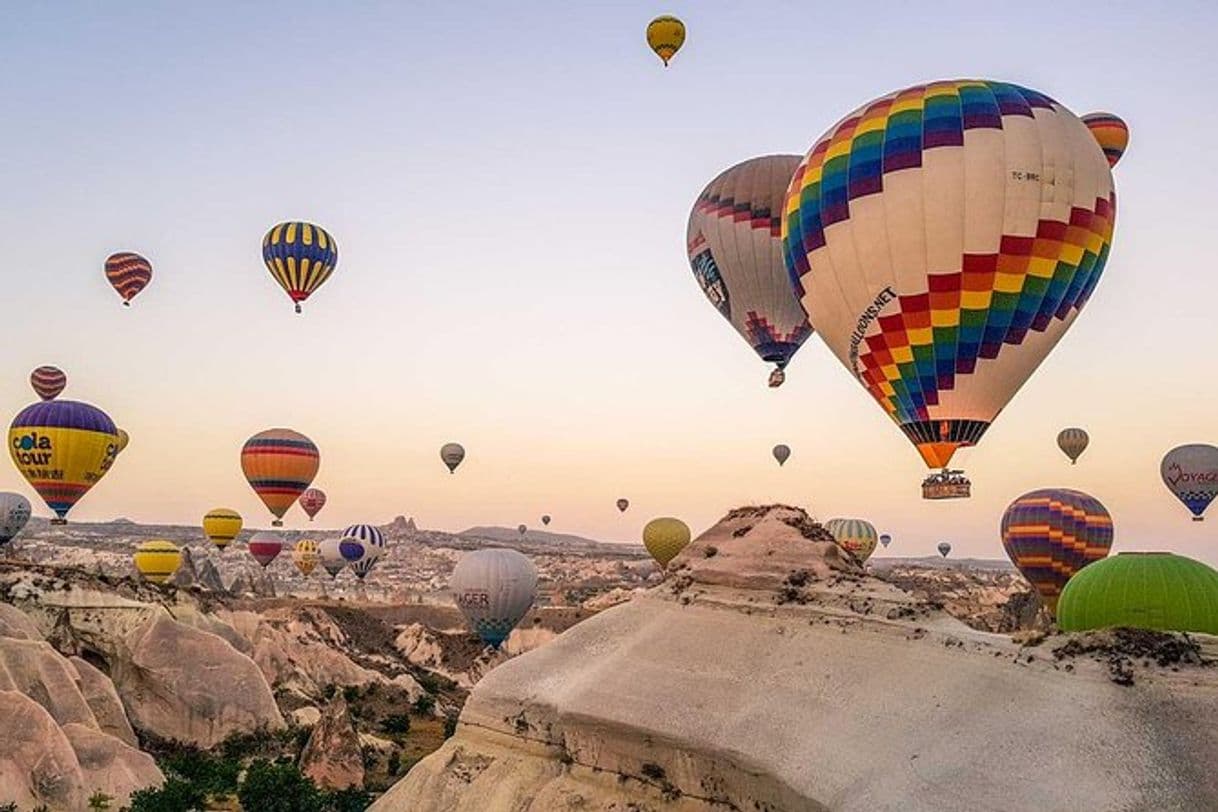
{"x":98,"y":692}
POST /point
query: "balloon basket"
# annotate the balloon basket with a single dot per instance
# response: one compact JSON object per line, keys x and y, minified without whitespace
{"x":947,"y":484}
{"x":58,"y":522}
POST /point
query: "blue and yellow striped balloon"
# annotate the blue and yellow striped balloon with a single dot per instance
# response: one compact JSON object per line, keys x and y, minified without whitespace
{"x":301,"y":257}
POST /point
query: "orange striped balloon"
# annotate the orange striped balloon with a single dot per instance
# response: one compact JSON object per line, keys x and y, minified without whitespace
{"x":1110,"y":132}
{"x":48,"y":381}
{"x":129,"y":273}
{"x":279,"y":465}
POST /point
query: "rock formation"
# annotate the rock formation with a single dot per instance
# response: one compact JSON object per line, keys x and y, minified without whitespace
{"x":185,"y":576}
{"x":769,"y":672}
{"x":98,"y":692}
{"x":332,"y":756}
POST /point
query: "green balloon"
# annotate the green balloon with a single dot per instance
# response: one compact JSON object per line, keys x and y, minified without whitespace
{"x":1143,"y":591}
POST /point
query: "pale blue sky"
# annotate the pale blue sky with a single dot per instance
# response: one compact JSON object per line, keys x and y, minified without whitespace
{"x":509,"y":184}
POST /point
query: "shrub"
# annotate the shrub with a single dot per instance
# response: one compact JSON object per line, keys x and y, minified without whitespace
{"x":347,"y":800}
{"x":11,"y":806}
{"x":213,"y":774}
{"x":424,"y":705}
{"x":175,"y":795}
{"x":450,"y":725}
{"x":398,"y":723}
{"x":278,"y":788}
{"x":351,"y":693}
{"x":393,"y":766}
{"x":100,"y":801}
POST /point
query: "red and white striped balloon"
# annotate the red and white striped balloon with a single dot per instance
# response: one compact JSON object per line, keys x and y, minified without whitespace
{"x":48,"y":381}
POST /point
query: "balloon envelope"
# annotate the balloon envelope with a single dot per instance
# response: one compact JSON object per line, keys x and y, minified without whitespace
{"x":1111,"y":133}
{"x":546,"y":520}
{"x":885,"y":539}
{"x":665,"y":36}
{"x":781,"y":453}
{"x":1052,"y":533}
{"x":157,"y":560}
{"x":1190,"y":472}
{"x":452,"y":454}
{"x":62,"y":448}
{"x":734,"y":245}
{"x":279,"y":464}
{"x":48,"y":382}
{"x":306,"y":556}
{"x":370,"y":538}
{"x":944,"y":548}
{"x":332,"y":559}
{"x":14,"y":513}
{"x":124,"y":439}
{"x":1142,"y":591}
{"x":665,"y":537}
{"x":312,"y":501}
{"x":221,"y":526}
{"x":857,"y":536}
{"x":128,"y":273}
{"x":942,"y":239}
{"x":301,"y":257}
{"x":1072,"y":442}
{"x":622,"y":504}
{"x":265,"y":547}
{"x":494,"y":589}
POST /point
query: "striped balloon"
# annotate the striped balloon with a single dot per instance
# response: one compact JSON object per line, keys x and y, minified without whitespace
{"x":1052,"y":533}
{"x":265,"y":547}
{"x":279,"y":465}
{"x":221,"y":526}
{"x":1073,"y":442}
{"x":312,"y":501}
{"x":854,"y":535}
{"x":48,"y":381}
{"x":62,"y":448}
{"x":301,"y":257}
{"x":157,"y":561}
{"x":129,"y":273}
{"x":1111,"y":132}
{"x":306,"y":556}
{"x":452,"y":454}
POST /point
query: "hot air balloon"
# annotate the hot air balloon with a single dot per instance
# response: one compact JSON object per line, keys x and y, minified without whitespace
{"x":352,"y":549}
{"x":265,"y":547}
{"x":279,"y":464}
{"x":129,"y":273}
{"x":1142,"y":591}
{"x":944,"y":548}
{"x":546,"y":520}
{"x":1073,"y":442}
{"x":1110,"y":132}
{"x":332,"y":559}
{"x":622,"y":504}
{"x":856,"y":536}
{"x":735,"y":251}
{"x":665,"y":36}
{"x":1052,"y":533}
{"x":664,"y":538}
{"x":312,"y":501}
{"x":364,"y":566}
{"x":1190,"y":472}
{"x":124,"y":439}
{"x":14,"y":513}
{"x":522,"y":529}
{"x":301,"y":257}
{"x":885,"y":540}
{"x":370,"y":538}
{"x":157,"y":561}
{"x":221,"y":526}
{"x":781,"y":453}
{"x":494,"y":589}
{"x":48,"y":382}
{"x":942,"y":239}
{"x":452,"y":454}
{"x":306,"y":557}
{"x":62,"y":448}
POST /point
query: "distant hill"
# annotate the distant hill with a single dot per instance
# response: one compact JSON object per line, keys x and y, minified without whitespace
{"x":510,"y":536}
{"x":938,"y":562}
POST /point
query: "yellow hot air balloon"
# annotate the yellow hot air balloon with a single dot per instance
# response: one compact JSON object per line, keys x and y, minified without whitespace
{"x":306,"y":556}
{"x":157,"y":560}
{"x":666,"y":35}
{"x":221,"y":526}
{"x":664,"y":538}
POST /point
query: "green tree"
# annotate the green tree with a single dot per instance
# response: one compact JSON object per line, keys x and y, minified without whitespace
{"x":424,"y":705}
{"x":347,"y":800}
{"x":175,"y":795}
{"x":100,"y":801}
{"x":398,"y":723}
{"x":278,"y":788}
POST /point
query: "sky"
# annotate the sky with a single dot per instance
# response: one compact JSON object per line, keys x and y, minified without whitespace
{"x":509,"y":185}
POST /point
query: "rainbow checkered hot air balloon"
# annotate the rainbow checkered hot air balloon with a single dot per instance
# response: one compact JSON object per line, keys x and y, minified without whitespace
{"x":942,"y":239}
{"x":279,"y":464}
{"x":301,"y":257}
{"x":1052,"y":533}
{"x":62,"y":448}
{"x":128,"y":273}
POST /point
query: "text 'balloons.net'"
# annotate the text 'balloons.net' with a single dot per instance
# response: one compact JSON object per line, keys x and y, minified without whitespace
{"x":279,"y":465}
{"x":494,"y":589}
{"x":942,"y":239}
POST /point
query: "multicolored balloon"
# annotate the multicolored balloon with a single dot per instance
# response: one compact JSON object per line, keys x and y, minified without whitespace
{"x":221,"y":526}
{"x":312,"y":501}
{"x":1052,"y":533}
{"x":885,"y":540}
{"x":494,"y":590}
{"x":944,"y":548}
{"x":301,"y":257}
{"x":452,"y":454}
{"x":1111,"y":133}
{"x":735,"y":250}
{"x":856,"y":536}
{"x":352,"y":549}
{"x":1073,"y":442}
{"x":781,"y":453}
{"x":306,"y":556}
{"x":332,"y":559}
{"x":156,"y":561}
{"x":14,"y":513}
{"x":665,"y":537}
{"x":665,"y":36}
{"x":62,"y":448}
{"x":942,"y":239}
{"x":370,"y":543}
{"x":279,"y":465}
{"x":622,"y":504}
{"x":48,"y":382}
{"x":128,"y":273}
{"x":265,"y":547}
{"x":1190,"y":472}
